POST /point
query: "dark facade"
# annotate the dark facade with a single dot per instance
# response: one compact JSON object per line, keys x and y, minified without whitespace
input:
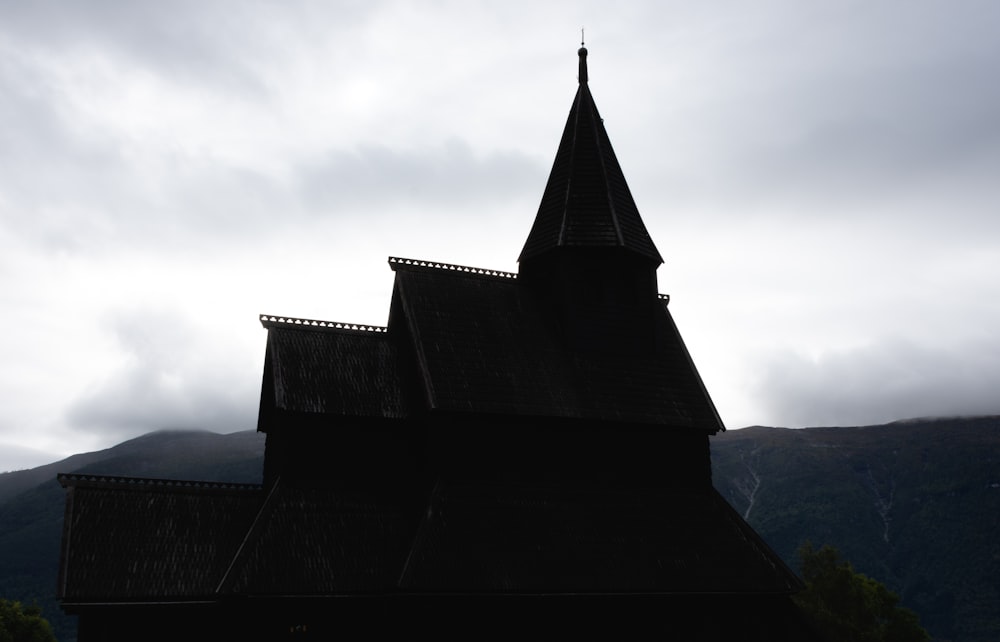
{"x":513,"y":454}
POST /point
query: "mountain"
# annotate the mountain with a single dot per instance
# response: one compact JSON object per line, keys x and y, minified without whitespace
{"x":914,"y":504}
{"x":31,"y":501}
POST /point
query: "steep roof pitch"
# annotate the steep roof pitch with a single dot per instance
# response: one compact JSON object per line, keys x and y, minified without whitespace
{"x":333,"y":368}
{"x":480,"y":343}
{"x":587,"y":202}
{"x":486,"y":345}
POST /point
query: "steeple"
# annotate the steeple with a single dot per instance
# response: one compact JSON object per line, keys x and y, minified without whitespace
{"x":587,"y":202}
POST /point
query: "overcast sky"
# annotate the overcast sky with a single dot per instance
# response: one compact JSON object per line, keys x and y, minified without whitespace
{"x":822,"y":178}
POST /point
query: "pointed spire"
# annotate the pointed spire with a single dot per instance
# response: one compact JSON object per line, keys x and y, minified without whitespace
{"x":587,"y":202}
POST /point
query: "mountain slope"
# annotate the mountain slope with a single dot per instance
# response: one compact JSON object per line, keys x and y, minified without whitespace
{"x":913,"y":504}
{"x":31,"y":501}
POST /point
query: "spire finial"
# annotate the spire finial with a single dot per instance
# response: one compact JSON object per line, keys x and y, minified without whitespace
{"x":583,"y":60}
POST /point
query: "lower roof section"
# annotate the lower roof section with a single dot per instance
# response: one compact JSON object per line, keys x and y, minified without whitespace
{"x":565,"y":540}
{"x":149,"y":541}
{"x":130,"y":539}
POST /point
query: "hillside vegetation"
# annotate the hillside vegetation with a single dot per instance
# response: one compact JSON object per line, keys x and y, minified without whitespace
{"x":914,"y":504}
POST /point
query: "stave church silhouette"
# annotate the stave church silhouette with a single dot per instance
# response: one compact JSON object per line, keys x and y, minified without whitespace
{"x":511,"y":455}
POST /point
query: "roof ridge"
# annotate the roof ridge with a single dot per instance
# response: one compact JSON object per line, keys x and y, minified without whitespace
{"x":397,"y":263}
{"x":73,"y":479}
{"x":251,"y":536}
{"x":268,"y":320}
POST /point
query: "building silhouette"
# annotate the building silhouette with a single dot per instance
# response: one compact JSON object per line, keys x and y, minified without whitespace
{"x":512,"y":455}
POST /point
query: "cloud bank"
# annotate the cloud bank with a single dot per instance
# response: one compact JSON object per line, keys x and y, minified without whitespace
{"x":820,"y":179}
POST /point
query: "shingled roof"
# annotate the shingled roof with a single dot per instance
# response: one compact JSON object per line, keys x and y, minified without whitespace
{"x":486,"y":345}
{"x":320,"y":541}
{"x":481,"y":344}
{"x":150,"y":541}
{"x":139,"y":540}
{"x":332,"y":368}
{"x":492,"y":538}
{"x":587,"y":202}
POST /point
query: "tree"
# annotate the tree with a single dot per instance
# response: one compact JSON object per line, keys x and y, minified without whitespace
{"x":849,"y":606}
{"x":23,"y":623}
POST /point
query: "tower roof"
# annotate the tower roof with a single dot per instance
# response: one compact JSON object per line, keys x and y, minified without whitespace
{"x":587,"y":202}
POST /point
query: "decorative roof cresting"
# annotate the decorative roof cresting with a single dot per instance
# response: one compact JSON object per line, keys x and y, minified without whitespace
{"x":267,"y":319}
{"x":395,"y":262}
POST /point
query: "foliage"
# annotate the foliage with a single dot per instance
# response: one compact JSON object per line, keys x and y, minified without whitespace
{"x":915,"y":504}
{"x":20,"y":623}
{"x":849,"y":606}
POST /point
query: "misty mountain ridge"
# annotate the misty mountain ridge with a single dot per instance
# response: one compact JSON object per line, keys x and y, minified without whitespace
{"x":98,"y":455}
{"x":914,"y":503}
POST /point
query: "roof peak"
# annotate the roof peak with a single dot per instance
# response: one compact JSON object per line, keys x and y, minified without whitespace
{"x":587,"y":202}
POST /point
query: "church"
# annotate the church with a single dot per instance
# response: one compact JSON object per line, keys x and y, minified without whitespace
{"x":512,"y":455}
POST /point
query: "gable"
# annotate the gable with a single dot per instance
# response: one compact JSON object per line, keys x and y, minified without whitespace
{"x":336,"y":369}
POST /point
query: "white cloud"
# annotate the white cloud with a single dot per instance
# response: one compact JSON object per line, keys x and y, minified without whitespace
{"x":174,"y":373}
{"x":820,"y":179}
{"x":885,"y":381}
